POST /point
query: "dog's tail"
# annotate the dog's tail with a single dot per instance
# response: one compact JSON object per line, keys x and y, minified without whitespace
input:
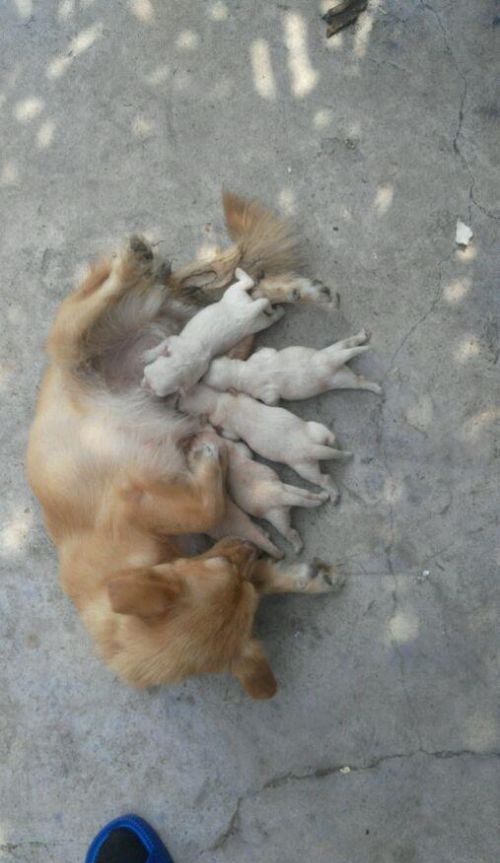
{"x":264,"y":245}
{"x":268,"y":245}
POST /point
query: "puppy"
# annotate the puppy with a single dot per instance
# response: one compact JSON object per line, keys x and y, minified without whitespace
{"x":237,"y":523}
{"x":258,"y":490}
{"x":273,"y":433}
{"x":179,"y":362}
{"x":293,"y":373}
{"x":124,"y":480}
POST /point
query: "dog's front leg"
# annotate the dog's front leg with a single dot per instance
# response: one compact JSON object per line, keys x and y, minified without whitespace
{"x":194,"y":504}
{"x":285,"y":577}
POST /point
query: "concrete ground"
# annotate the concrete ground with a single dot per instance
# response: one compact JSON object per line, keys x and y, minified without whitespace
{"x":118,"y":116}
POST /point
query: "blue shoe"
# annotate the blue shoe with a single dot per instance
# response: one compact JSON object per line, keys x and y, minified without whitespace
{"x":127,"y":840}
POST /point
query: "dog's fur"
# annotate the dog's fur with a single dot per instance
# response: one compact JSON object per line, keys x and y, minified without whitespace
{"x":122,"y":477}
{"x":293,"y":373}
{"x":273,"y":433}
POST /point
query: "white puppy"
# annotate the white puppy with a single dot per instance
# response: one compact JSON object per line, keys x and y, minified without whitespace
{"x":258,"y":490}
{"x":274,"y":433}
{"x":180,"y":361}
{"x":293,"y":373}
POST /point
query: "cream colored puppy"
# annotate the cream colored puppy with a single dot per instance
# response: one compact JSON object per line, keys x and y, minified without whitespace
{"x":177,"y":363}
{"x":274,"y":433}
{"x":237,"y":523}
{"x":258,"y":490}
{"x":293,"y":373}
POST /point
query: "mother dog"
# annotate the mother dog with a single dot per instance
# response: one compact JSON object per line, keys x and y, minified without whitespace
{"x":124,"y":480}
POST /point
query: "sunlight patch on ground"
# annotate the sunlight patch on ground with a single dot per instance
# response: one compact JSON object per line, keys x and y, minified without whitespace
{"x":142,"y":127}
{"x":219,"y":11}
{"x":207,"y":251}
{"x":24,"y":8}
{"x":322,"y":118}
{"x":188,"y":40}
{"x":158,"y":75}
{"x":403,"y":627}
{"x":457,"y":290}
{"x":303,"y":77}
{"x":45,"y":135}
{"x":66,"y":9}
{"x":392,"y":491}
{"x":28,"y":109}
{"x":480,"y":423}
{"x":81,"y":43}
{"x":142,"y":10}
{"x":263,"y":77}
{"x":287,"y":202}
{"x":469,"y":253}
{"x":15,"y":532}
{"x":467,"y":349}
{"x":362,"y":33}
{"x":383,"y":199}
{"x":9,"y":174}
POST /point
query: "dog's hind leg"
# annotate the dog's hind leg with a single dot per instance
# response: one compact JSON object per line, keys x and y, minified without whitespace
{"x":102,"y":288}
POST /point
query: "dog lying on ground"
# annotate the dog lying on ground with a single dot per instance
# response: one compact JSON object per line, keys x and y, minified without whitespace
{"x":124,"y":480}
{"x":273,"y":433}
{"x":292,"y":373}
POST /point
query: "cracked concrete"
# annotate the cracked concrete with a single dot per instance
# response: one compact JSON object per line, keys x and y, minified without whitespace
{"x":129,"y":116}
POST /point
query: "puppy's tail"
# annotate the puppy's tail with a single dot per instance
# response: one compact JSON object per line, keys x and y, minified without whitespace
{"x":267,"y":244}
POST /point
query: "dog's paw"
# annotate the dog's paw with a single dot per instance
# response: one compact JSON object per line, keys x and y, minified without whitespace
{"x":140,"y":248}
{"x":324,"y":578}
{"x":162,"y":270}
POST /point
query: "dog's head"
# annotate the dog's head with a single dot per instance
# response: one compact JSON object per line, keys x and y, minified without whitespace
{"x":191,"y":616}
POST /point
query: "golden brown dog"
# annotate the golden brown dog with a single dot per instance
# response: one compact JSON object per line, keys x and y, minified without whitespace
{"x":123,"y":478}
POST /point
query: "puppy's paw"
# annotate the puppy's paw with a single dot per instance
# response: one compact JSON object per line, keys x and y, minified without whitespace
{"x":363,"y":337}
{"x":269,"y":394}
{"x":324,"y":578}
{"x":206,"y":447}
{"x":161,"y":350}
{"x":295,"y":540}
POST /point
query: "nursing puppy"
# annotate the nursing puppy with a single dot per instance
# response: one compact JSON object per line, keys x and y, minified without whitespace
{"x":273,"y":433}
{"x":124,"y":480}
{"x":237,"y":523}
{"x":293,"y":373}
{"x":179,"y":362}
{"x":258,"y":490}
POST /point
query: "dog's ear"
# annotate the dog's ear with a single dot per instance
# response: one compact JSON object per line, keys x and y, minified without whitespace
{"x":143,"y":594}
{"x":254,"y":672}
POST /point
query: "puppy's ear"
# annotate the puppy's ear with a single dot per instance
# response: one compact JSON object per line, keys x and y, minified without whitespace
{"x":143,"y":594}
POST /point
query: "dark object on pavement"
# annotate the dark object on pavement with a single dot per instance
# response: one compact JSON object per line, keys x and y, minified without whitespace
{"x":343,"y":14}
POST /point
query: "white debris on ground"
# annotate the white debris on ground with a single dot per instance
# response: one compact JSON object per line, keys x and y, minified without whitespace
{"x":463,"y":234}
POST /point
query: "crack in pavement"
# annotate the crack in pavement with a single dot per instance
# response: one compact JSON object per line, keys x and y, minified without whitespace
{"x":325,"y":772}
{"x":461,"y":112}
